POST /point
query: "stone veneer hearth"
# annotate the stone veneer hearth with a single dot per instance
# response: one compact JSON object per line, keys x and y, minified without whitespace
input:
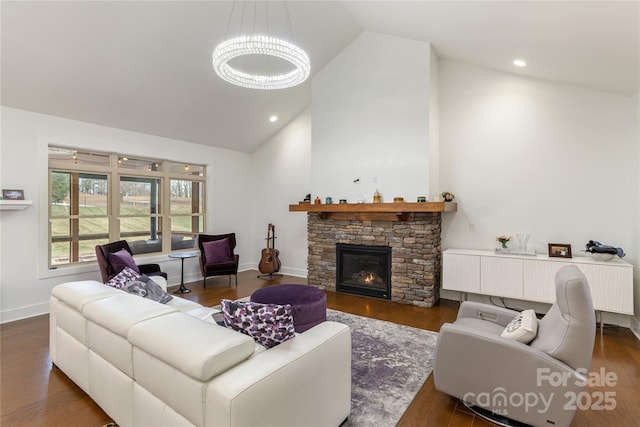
{"x":415,"y":254}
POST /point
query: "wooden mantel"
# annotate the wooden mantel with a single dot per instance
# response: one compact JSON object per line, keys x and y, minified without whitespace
{"x":373,"y":211}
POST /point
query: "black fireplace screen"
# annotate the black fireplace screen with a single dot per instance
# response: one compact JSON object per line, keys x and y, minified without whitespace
{"x":364,"y":270}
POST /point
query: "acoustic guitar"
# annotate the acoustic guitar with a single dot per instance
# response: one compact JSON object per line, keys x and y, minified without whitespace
{"x":269,"y":262}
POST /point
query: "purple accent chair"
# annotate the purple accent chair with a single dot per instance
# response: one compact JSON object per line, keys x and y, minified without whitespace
{"x":107,"y":270}
{"x":208,"y":268}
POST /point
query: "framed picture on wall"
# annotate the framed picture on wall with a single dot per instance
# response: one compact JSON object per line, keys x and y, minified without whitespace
{"x":13,"y":194}
{"x":559,"y":250}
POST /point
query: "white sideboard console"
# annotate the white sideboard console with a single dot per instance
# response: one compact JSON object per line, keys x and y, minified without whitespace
{"x":531,"y":278}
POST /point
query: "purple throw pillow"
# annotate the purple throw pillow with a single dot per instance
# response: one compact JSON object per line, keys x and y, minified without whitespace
{"x":267,"y":324}
{"x":121,"y":259}
{"x":217,"y":251}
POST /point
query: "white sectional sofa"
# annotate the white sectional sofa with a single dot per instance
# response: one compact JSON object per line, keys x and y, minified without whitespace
{"x":149,"y":364}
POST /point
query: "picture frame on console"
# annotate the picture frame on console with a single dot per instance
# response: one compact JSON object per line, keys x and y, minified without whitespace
{"x":560,"y":250}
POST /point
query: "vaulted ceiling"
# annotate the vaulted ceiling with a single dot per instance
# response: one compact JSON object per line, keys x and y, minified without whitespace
{"x":146,"y":65}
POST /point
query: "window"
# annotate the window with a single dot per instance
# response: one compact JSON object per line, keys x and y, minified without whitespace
{"x":140,"y":214}
{"x":96,"y":198}
{"x":187,"y":219}
{"x":78,"y":216}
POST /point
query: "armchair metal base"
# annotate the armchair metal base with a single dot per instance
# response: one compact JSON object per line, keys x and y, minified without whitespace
{"x":493,"y":417}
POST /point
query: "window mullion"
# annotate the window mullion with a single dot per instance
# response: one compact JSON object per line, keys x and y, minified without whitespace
{"x":166,"y":212}
{"x":74,"y":208}
{"x":114,"y":200}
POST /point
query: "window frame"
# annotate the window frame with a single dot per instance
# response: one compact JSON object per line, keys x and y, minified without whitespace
{"x":196,"y":217}
{"x":114,"y":171}
{"x":74,"y":236}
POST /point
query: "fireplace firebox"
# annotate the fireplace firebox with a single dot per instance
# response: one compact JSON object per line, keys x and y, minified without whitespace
{"x":363,"y":270}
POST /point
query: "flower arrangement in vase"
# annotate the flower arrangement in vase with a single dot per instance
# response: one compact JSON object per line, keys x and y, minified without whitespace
{"x":504,"y":240}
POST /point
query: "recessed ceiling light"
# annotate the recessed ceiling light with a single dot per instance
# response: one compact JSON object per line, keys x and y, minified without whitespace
{"x":519,"y":63}
{"x":273,"y":119}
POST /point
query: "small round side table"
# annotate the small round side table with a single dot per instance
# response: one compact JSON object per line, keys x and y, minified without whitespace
{"x":182,"y":256}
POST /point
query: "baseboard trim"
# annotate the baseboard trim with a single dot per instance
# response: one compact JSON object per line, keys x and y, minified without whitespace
{"x":188,"y":278}
{"x":635,"y":327}
{"x":297,"y":272}
{"x":19,"y":313}
{"x":196,"y":277}
{"x":13,"y":314}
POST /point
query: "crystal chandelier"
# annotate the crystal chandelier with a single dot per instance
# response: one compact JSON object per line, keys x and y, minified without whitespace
{"x":264,"y":45}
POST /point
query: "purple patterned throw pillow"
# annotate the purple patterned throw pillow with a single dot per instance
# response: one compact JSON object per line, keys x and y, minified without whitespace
{"x":123,"y":278}
{"x":267,"y":324}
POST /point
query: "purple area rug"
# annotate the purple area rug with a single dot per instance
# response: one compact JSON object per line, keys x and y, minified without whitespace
{"x":389,"y":365}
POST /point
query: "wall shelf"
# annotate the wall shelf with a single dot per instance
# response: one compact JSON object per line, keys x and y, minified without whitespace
{"x":14,"y":205}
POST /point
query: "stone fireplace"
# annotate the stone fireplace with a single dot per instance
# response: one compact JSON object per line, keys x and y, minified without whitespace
{"x":413,"y":239}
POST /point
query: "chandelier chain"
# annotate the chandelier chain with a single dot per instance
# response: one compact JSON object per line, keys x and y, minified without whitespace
{"x":233,"y":7}
{"x":286,"y":8}
{"x":255,"y":13}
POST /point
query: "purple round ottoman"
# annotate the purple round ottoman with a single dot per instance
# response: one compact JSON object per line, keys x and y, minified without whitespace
{"x":308,"y":304}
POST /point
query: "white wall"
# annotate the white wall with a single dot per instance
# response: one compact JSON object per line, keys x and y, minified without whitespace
{"x":434,"y":125}
{"x":25,"y":280}
{"x":281,"y":176}
{"x":521,"y":155}
{"x":370,"y":109}
{"x":526,"y":155}
{"x":635,"y":325}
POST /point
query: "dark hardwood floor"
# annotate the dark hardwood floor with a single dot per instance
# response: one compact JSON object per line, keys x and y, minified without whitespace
{"x":35,"y":393}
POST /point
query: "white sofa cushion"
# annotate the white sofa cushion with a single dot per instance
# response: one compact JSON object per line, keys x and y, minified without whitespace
{"x":111,"y":346}
{"x":148,"y":410}
{"x":77,"y":294}
{"x":120,"y":312}
{"x":162,"y":282}
{"x":69,"y":320}
{"x":112,"y":388}
{"x":183,"y":305}
{"x":181,"y":392}
{"x":199,"y":349}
